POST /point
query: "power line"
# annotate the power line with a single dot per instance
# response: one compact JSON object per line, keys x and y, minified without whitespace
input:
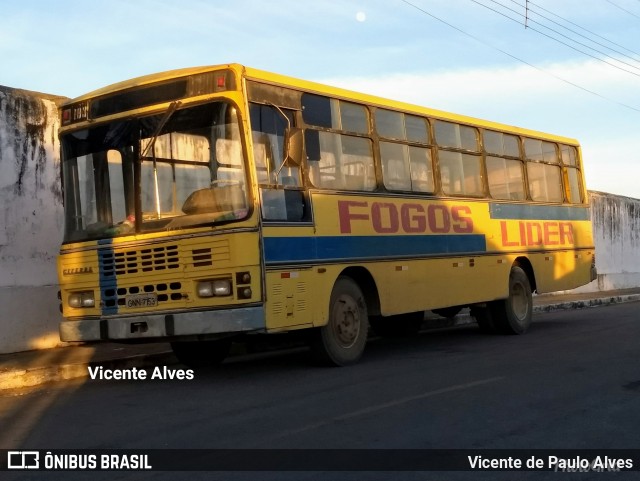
{"x":529,"y":10}
{"x":564,"y":43}
{"x":519,"y":59}
{"x":579,"y":26}
{"x":623,"y":9}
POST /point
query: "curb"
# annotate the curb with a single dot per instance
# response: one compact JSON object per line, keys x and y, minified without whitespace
{"x":600,"y":301}
{"x":465,"y":318}
{"x":22,"y":378}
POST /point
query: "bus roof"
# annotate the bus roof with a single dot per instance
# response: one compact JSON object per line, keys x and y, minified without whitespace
{"x":305,"y":85}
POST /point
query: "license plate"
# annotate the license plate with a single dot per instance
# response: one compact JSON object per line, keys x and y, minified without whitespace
{"x":135,"y":301}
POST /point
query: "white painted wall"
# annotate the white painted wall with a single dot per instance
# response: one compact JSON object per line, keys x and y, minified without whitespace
{"x":30,"y":220}
{"x":31,"y":225}
{"x":616,"y":233}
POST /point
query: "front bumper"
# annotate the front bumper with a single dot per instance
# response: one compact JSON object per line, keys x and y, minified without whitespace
{"x":165,"y":325}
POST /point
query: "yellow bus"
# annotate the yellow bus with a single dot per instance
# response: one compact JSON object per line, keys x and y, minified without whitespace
{"x":207,"y":203}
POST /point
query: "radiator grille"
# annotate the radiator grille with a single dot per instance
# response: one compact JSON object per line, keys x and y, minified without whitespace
{"x":202,"y":257}
{"x":135,"y":261}
{"x":117,"y":262}
{"x":168,"y":258}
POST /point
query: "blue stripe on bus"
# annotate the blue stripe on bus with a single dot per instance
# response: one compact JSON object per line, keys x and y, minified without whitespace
{"x":538,"y":212}
{"x":107,"y":283}
{"x":313,"y":249}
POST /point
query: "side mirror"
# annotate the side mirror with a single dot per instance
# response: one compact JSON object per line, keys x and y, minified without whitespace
{"x":293,"y":147}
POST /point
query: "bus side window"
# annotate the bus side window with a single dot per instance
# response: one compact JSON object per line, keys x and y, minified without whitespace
{"x":321,"y":158}
{"x":281,"y":198}
{"x":404,"y":167}
{"x":260,"y":158}
{"x":572,"y":173}
{"x":356,"y":163}
{"x":421,"y":169}
{"x":505,"y":178}
{"x":395,"y":166}
{"x":543,"y":171}
{"x":338,"y":161}
{"x":267,"y":129}
{"x":461,"y":172}
{"x":282,"y":204}
{"x":504,"y":166}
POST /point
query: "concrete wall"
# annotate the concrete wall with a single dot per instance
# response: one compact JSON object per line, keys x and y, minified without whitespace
{"x":30,"y":220}
{"x":31,"y":225}
{"x":616,"y":233}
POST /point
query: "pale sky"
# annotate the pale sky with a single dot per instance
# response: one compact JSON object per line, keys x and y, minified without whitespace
{"x":482,"y":64}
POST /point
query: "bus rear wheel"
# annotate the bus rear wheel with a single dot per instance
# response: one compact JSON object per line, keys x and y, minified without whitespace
{"x":513,"y":315}
{"x":196,"y":354}
{"x":342,"y":340}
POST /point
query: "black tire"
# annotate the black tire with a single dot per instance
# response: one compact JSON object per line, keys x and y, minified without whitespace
{"x":197,"y":354}
{"x":513,"y":315}
{"x":342,"y":340}
{"x":401,"y":325}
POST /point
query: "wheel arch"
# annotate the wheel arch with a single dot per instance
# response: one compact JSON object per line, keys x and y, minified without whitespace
{"x":367,"y":285}
{"x":524,"y":264}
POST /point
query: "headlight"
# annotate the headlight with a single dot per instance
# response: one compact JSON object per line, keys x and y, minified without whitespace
{"x":217,"y":288}
{"x":82,"y":299}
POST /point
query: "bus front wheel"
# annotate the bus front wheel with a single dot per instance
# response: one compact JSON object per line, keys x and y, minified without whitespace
{"x":513,"y":315}
{"x":342,"y":340}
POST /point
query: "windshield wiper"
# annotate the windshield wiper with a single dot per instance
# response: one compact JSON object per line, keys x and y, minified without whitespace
{"x":165,"y":118}
{"x":150,"y":146}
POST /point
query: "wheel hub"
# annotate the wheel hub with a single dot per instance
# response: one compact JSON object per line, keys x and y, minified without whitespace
{"x":347,"y":325}
{"x":519,"y":303}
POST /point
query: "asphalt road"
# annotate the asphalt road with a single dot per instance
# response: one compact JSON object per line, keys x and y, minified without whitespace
{"x":572,"y":382}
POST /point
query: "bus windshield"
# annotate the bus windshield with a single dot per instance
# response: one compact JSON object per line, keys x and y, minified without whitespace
{"x":167,"y":171}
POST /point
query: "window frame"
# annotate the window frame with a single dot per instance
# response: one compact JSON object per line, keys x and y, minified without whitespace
{"x":576,"y":167}
{"x":335,"y":109}
{"x":571,"y":181}
{"x":406,"y":144}
{"x":478,"y":153}
{"x":506,"y":157}
{"x":544,"y":162}
{"x":341,"y":164}
{"x":283,"y":200}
